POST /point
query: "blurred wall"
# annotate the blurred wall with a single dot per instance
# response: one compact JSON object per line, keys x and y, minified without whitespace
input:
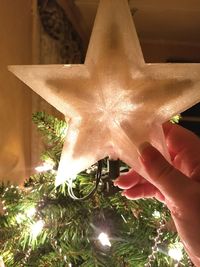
{"x":162,"y":51}
{"x":15,"y":98}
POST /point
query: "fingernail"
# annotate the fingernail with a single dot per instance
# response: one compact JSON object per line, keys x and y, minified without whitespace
{"x":115,"y":183}
{"x":123,"y":193}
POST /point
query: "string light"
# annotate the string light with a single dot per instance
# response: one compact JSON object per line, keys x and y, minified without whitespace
{"x":5,"y":212}
{"x":91,"y":169}
{"x":156,"y":214}
{"x":4,"y":206}
{"x":19,"y":218}
{"x":31,"y":212}
{"x":28,"y":213}
{"x":36,"y":228}
{"x":28,"y":253}
{"x":175,"y":253}
{"x":44,"y":167}
{"x":104,"y":239}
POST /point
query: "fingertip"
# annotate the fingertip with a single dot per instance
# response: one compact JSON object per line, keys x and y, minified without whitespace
{"x":123,"y":193}
{"x":115,"y":182}
{"x":128,"y":180}
{"x":119,"y":179}
{"x":141,"y":191}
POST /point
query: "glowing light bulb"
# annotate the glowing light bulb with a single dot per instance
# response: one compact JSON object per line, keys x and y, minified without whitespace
{"x":104,"y":239}
{"x":36,"y":228}
{"x":46,"y":166}
{"x":175,"y":253}
{"x":156,"y":214}
{"x":30,"y":212}
{"x":19,"y":218}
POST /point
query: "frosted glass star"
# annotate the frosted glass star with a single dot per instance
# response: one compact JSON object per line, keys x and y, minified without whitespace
{"x":115,"y":101}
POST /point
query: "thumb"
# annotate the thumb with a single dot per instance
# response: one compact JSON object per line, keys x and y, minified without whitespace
{"x":170,"y":181}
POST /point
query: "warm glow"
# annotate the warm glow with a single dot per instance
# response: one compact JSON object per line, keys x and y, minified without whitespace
{"x":156,"y":214}
{"x":30,"y":212}
{"x":115,"y":100}
{"x":68,"y":175}
{"x":104,"y":239}
{"x":175,"y":253}
{"x":19,"y":218}
{"x":45,"y":167}
{"x":61,"y":177}
{"x":36,"y":228}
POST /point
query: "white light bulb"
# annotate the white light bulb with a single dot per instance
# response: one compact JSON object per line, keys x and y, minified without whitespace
{"x":175,"y":253}
{"x":104,"y":239}
{"x":19,"y":218}
{"x":30,"y":212}
{"x":44,"y":167}
{"x":156,"y":214}
{"x":36,"y":228}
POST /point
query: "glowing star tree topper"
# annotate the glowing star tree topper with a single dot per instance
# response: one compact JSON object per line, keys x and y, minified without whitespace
{"x":115,"y":101}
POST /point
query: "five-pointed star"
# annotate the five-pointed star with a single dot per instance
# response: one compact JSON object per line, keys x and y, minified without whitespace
{"x":115,"y":101}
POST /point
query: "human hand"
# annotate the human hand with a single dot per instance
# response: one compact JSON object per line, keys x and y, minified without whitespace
{"x":176,"y":184}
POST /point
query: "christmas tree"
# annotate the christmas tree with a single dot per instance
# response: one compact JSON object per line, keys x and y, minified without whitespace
{"x":93,"y":225}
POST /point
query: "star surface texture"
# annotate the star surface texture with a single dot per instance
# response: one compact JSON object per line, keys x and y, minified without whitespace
{"x":115,"y":101}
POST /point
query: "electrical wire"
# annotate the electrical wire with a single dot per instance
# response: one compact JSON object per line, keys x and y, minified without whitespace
{"x":93,"y":191}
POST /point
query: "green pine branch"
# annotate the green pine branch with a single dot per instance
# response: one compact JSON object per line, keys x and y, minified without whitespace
{"x":71,"y":228}
{"x":52,"y":129}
